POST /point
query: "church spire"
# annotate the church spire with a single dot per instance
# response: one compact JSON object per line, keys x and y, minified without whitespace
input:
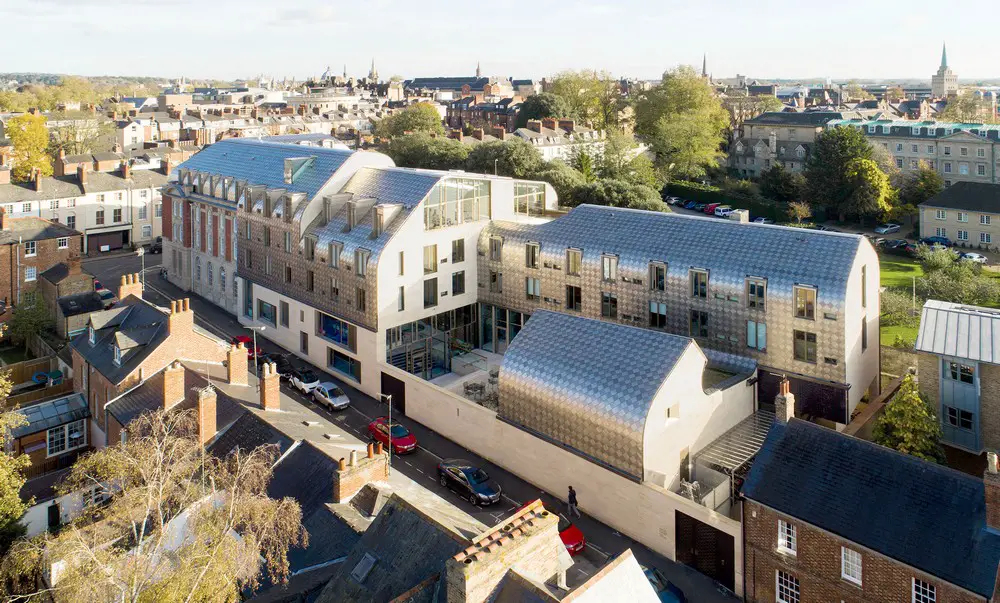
{"x":479,"y":72}
{"x":704,"y":65}
{"x":944,"y":55}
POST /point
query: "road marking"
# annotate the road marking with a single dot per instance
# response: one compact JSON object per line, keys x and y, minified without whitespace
{"x":591,"y":546}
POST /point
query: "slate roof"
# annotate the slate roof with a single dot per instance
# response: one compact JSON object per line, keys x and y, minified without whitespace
{"x":553,"y":383}
{"x":960,"y":331}
{"x":968,"y":196}
{"x":148,"y":397}
{"x":924,"y":515}
{"x":52,"y":413}
{"x":62,"y":187}
{"x":30,"y":228}
{"x":59,"y":272}
{"x":782,"y":118}
{"x":248,"y":432}
{"x":928,"y":129}
{"x":263,"y":163}
{"x":131,"y":314}
{"x":81,"y":303}
{"x":448,"y":83}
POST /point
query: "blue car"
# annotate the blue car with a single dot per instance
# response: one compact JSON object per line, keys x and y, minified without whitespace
{"x":690,"y":205}
{"x":937,"y":240}
{"x":666,"y":591}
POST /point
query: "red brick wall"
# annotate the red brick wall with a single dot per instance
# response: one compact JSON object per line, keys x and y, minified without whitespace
{"x":168,"y":217}
{"x":229,"y":240}
{"x":187,"y":223}
{"x":214,"y":233}
{"x":817,"y":566}
{"x":201,"y":230}
{"x":47,"y":255}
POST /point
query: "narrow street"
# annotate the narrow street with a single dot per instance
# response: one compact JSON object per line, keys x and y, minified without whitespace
{"x":421,"y":466}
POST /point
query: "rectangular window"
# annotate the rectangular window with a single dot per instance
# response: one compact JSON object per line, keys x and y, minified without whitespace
{"x":267,"y":236}
{"x":980,"y":152}
{"x":457,"y":251}
{"x":335,"y":330}
{"x":286,"y":242}
{"x":957,"y":417}
{"x":361,"y":261}
{"x":864,"y":333}
{"x":609,"y":305}
{"x":756,"y":335}
{"x":71,"y":221}
{"x":962,"y":216}
{"x":533,"y":288}
{"x":947,"y":167}
{"x":30,"y":273}
{"x":457,"y":201}
{"x":804,"y":346}
{"x":158,"y":210}
{"x":343,"y":364}
{"x":304,"y":342}
{"x":66,"y":437}
{"x":496,"y":282}
{"x":699,"y":283}
{"x":458,"y":282}
{"x":787,"y":588}
{"x":850,"y":565}
{"x":756,"y":291}
{"x":62,"y":242}
{"x":657,"y":276}
{"x":924,"y":592}
{"x":914,"y":148}
{"x":947,"y":150}
{"x":496,"y":249}
{"x":401,"y":299}
{"x":787,"y":541}
{"x":864,"y":286}
{"x":116,"y":215}
{"x":29,"y":249}
{"x":930,"y":149}
{"x":963,"y":235}
{"x":361,"y":299}
{"x":430,"y":259}
{"x":310,"y":280}
{"x":143,"y":212}
{"x":574,"y":298}
{"x":698,"y":324}
{"x":531,"y":253}
{"x":963,"y":169}
{"x":283,"y":313}
{"x":609,"y":267}
{"x":941,"y":232}
{"x":574,"y":259}
{"x":980,"y":170}
{"x":430,"y":292}
{"x":961,"y":372}
{"x":266,"y":313}
{"x":985,"y":237}
{"x":805,"y":303}
{"x":529,"y":198}
{"x":334,"y":251}
{"x":99,"y":217}
{"x":963,"y":151}
{"x":899,"y":145}
{"x":402,"y":264}
{"x":310,"y":250}
{"x":657,"y":315}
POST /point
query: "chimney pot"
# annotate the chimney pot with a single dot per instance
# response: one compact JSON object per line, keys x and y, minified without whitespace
{"x":354,"y":458}
{"x":378,"y":448}
{"x":341,"y":464}
{"x":371,"y":450}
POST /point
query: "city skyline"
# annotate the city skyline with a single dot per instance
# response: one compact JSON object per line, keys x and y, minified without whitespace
{"x":770,"y":39}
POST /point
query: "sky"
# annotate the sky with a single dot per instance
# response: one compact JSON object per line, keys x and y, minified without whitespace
{"x":228,"y":39}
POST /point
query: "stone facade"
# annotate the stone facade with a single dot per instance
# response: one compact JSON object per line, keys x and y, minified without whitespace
{"x":817,"y":566}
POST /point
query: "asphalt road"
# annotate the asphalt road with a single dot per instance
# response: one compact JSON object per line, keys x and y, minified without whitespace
{"x":421,"y":466}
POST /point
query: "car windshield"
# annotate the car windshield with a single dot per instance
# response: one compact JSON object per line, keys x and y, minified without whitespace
{"x":336,"y":391}
{"x":564,"y":524}
{"x":476,"y":476}
{"x":107,"y":295}
{"x":308,"y":377}
{"x":398,"y":431}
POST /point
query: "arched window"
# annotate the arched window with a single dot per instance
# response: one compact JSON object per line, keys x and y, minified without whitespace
{"x":211,"y":280}
{"x":197,"y":269}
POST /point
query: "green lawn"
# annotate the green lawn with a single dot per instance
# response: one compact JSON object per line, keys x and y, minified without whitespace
{"x":15,"y":355}
{"x":888,"y":334}
{"x":898,"y":271}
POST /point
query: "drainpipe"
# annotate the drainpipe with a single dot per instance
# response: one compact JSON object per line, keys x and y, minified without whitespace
{"x":17,"y":252}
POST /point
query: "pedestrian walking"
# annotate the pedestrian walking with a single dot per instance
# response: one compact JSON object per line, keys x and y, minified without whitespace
{"x":571,"y":499}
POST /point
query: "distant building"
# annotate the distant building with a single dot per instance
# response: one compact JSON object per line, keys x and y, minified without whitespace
{"x":556,"y":138}
{"x":944,"y":83}
{"x":472,"y":113}
{"x":28,"y":247}
{"x":968,"y":213}
{"x":777,"y":137}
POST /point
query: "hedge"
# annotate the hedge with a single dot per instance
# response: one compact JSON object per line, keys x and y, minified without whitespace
{"x":759,"y":207}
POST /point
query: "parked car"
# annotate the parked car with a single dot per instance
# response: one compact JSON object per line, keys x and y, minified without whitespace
{"x":944,"y":241}
{"x":826,"y":228}
{"x":156,"y":246}
{"x":470,"y":482}
{"x":281,"y":361}
{"x":247,"y":342}
{"x":710,"y":208}
{"x":329,"y":396}
{"x":690,"y":205}
{"x":403,"y":441}
{"x":974,"y":257}
{"x":895,"y":243}
{"x":763,"y":221}
{"x":699,"y":207}
{"x":108,"y":299}
{"x":667,"y":591}
{"x":888,"y":228}
{"x":723,"y":211}
{"x":673,"y":200}
{"x":303,"y":379}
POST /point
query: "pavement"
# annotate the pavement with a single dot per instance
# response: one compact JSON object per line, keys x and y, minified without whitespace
{"x":603,"y":542}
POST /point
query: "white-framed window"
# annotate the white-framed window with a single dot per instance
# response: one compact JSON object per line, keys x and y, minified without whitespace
{"x":924,"y":592}
{"x":963,"y":151}
{"x":118,"y":355}
{"x":143,"y":194}
{"x":147,"y":231}
{"x":985,"y":237}
{"x":899,"y":162}
{"x":963,"y":216}
{"x":786,"y":588}
{"x":947,"y":167}
{"x":92,"y":338}
{"x":899,"y":147}
{"x":914,"y":164}
{"x":100,"y":198}
{"x":980,"y":152}
{"x":980,"y":169}
{"x":871,"y":129}
{"x":30,"y":273}
{"x":915,"y":148}
{"x":984,"y":219}
{"x":940,"y":232}
{"x":963,"y":169}
{"x":158,"y":210}
{"x":71,"y":203}
{"x":143,"y":212}
{"x":29,"y":249}
{"x":941,"y":214}
{"x":963,"y":235}
{"x":850,"y":565}
{"x":787,"y":540}
{"x":930,"y":149}
{"x":915,"y":131}
{"x":66,"y":437}
{"x":609,"y":267}
{"x":208,"y":234}
{"x":26,"y":207}
{"x":54,"y":204}
{"x":62,"y":242}
{"x":756,"y":335}
{"x":197,"y":268}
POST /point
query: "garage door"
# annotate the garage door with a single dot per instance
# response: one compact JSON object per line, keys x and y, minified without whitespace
{"x":706,"y":549}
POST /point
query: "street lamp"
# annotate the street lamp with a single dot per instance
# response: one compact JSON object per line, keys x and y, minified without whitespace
{"x":388,"y":398}
{"x":255,"y":369}
{"x":495,"y":162}
{"x":141,"y":252}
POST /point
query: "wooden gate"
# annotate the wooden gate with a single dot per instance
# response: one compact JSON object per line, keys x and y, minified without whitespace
{"x":706,"y":549}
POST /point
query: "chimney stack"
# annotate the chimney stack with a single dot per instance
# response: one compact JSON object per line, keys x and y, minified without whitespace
{"x":549,"y":123}
{"x":206,"y":414}
{"x":62,"y":153}
{"x":270,"y":392}
{"x":81,"y":174}
{"x":4,"y":219}
{"x":181,"y":319}
{"x":130,"y":284}
{"x":168,"y":165}
{"x":73,"y":266}
{"x":773,"y":141}
{"x":173,"y":385}
{"x":4,"y":174}
{"x":36,"y":177}
{"x":992,"y":483}
{"x":784,"y":402}
{"x":126,"y":169}
{"x":478,"y":133}
{"x":499,"y":132}
{"x":535,"y":125}
{"x":236,"y":363}
{"x":567,"y":124}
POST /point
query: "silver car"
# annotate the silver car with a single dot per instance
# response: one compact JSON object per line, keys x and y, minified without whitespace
{"x":328,"y":395}
{"x":974,"y":257}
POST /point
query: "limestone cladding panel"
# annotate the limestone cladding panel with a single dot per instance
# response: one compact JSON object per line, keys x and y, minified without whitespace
{"x":343,"y":305}
{"x":817,"y":565}
{"x":725,"y":304}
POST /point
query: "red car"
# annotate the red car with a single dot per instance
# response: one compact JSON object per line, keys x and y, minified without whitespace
{"x":247,"y":342}
{"x":571,"y":535}
{"x":710,"y":208}
{"x":403,"y":442}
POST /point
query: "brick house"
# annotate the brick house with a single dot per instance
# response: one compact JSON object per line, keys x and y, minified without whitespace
{"x":68,"y":293}
{"x":127,"y":344}
{"x":29,"y":247}
{"x":829,"y":517}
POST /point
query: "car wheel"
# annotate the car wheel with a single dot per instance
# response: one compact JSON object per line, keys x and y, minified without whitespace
{"x":474,"y":500}
{"x":443,"y":480}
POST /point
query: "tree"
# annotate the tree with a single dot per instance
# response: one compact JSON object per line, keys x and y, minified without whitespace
{"x":869,"y":189}
{"x":564,"y":179}
{"x":779,"y":184}
{"x":799,"y":210}
{"x":909,"y":425}
{"x":422,"y":150}
{"x":590,"y":97}
{"x":683,"y":122}
{"x":948,"y":279}
{"x":420,"y":117}
{"x":887,"y":163}
{"x":619,"y":193}
{"x":854,"y":91}
{"x":969,"y":108}
{"x":895,"y":94}
{"x":538,"y":106}
{"x":12,"y":507}
{"x":81,"y":134}
{"x":28,"y":318}
{"x":742,"y":107}
{"x":917,"y":188}
{"x":30,"y":139}
{"x":159,"y":479}
{"x":513,"y":157}
{"x":827,"y":183}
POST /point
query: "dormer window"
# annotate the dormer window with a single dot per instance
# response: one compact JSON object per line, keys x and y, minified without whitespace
{"x":91,"y":334}
{"x":118,"y":355}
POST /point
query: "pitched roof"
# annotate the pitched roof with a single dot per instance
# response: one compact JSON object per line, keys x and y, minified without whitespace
{"x":148,"y":397}
{"x":961,"y":331}
{"x":30,"y":228}
{"x":553,"y":383}
{"x":968,"y":196}
{"x":59,"y":272}
{"x":246,"y":433}
{"x":784,"y":118}
{"x":61,"y":187}
{"x":924,"y":515}
{"x":132,"y":315}
{"x":81,"y":303}
{"x":263,"y":163}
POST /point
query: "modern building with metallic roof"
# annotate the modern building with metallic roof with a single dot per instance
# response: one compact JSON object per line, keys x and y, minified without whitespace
{"x":801,"y":303}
